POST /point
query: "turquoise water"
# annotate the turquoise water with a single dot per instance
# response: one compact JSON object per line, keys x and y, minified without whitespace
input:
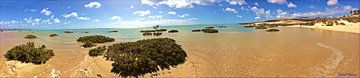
{"x":134,"y":33}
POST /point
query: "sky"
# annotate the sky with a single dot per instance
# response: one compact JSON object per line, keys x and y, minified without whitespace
{"x":78,"y":14}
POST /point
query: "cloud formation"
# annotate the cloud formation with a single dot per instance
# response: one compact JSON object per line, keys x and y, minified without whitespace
{"x":332,"y":2}
{"x":93,"y":5}
{"x":45,"y":11}
{"x":277,"y":1}
{"x":142,"y":13}
{"x":230,"y":10}
{"x":292,"y":5}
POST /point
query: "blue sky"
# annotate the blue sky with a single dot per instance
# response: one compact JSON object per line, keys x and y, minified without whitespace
{"x":72,"y":14}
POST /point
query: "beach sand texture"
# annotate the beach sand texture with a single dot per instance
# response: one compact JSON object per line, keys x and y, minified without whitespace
{"x":292,"y":52}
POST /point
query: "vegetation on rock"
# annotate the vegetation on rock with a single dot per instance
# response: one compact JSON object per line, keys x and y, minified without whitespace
{"x":260,"y":27}
{"x":157,"y":33}
{"x":113,"y":31}
{"x":144,"y":56}
{"x":53,"y":35}
{"x":210,"y":30}
{"x":272,"y":30}
{"x":28,"y":53}
{"x":161,"y":30}
{"x":97,"y":51}
{"x":196,"y":30}
{"x":147,"y":30}
{"x":30,"y":36}
{"x":68,"y":32}
{"x":147,"y":34}
{"x":88,"y":44}
{"x":95,"y":39}
{"x":173,"y":31}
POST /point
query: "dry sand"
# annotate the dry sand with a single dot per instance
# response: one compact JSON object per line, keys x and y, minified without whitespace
{"x":349,"y":27}
{"x":292,"y":52}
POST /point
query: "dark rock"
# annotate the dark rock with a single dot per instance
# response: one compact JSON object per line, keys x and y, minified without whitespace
{"x":30,"y":37}
{"x":210,"y":30}
{"x":173,"y":31}
{"x":147,"y":34}
{"x":197,"y":30}
{"x":272,"y":30}
{"x":53,"y":35}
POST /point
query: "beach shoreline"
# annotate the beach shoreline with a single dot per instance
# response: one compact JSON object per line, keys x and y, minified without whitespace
{"x":353,"y":28}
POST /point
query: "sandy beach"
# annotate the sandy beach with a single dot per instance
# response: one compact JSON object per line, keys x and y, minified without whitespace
{"x":292,"y":52}
{"x":351,"y":28}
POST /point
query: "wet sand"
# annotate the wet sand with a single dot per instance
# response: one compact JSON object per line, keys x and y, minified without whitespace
{"x":292,"y":52}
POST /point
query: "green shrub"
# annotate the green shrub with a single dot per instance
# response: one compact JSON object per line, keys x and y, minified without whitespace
{"x":196,"y":30}
{"x":210,"y":30}
{"x":272,"y":30}
{"x":147,"y":34}
{"x":173,"y":31}
{"x":95,"y":39}
{"x":144,"y":56}
{"x":53,"y":35}
{"x":97,"y":51}
{"x":28,"y":53}
{"x":88,"y":44}
{"x":68,"y":32}
{"x":30,"y":36}
{"x":260,"y":27}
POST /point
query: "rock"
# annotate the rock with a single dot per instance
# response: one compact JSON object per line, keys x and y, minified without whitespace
{"x":157,"y":33}
{"x":147,"y":30}
{"x":173,"y":31}
{"x":272,"y":30}
{"x":68,"y":32}
{"x":209,"y":27}
{"x":210,"y":30}
{"x":113,"y":31}
{"x":147,"y":34}
{"x":30,"y":37}
{"x":53,"y":35}
{"x":196,"y":30}
{"x":260,"y":27}
{"x":161,"y":30}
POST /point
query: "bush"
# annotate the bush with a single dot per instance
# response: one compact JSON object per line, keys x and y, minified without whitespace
{"x":97,"y":51}
{"x":157,"y":34}
{"x":273,"y":30}
{"x":88,"y":44}
{"x":68,"y":32}
{"x":210,"y":30}
{"x":28,"y":53}
{"x":30,"y":36}
{"x":197,"y":30}
{"x":260,"y":27}
{"x":173,"y":31}
{"x":53,"y":35}
{"x":144,"y":56}
{"x":147,"y":34}
{"x":95,"y":39}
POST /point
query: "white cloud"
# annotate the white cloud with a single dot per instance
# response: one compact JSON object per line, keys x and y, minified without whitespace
{"x":142,"y":13}
{"x":178,"y":3}
{"x":97,"y":20}
{"x":172,"y":13}
{"x":149,"y":2}
{"x":239,"y":16}
{"x":116,"y":18}
{"x":256,"y":4}
{"x":56,"y":20}
{"x":261,"y":13}
{"x":184,"y":15}
{"x":277,"y":1}
{"x":291,"y":5}
{"x":83,"y":18}
{"x":230,"y":10}
{"x":147,"y":23}
{"x":156,"y":17}
{"x":327,"y":12}
{"x":332,"y":2}
{"x":132,"y":6}
{"x":45,"y":11}
{"x":93,"y":5}
{"x":236,"y":2}
{"x":72,"y":14}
